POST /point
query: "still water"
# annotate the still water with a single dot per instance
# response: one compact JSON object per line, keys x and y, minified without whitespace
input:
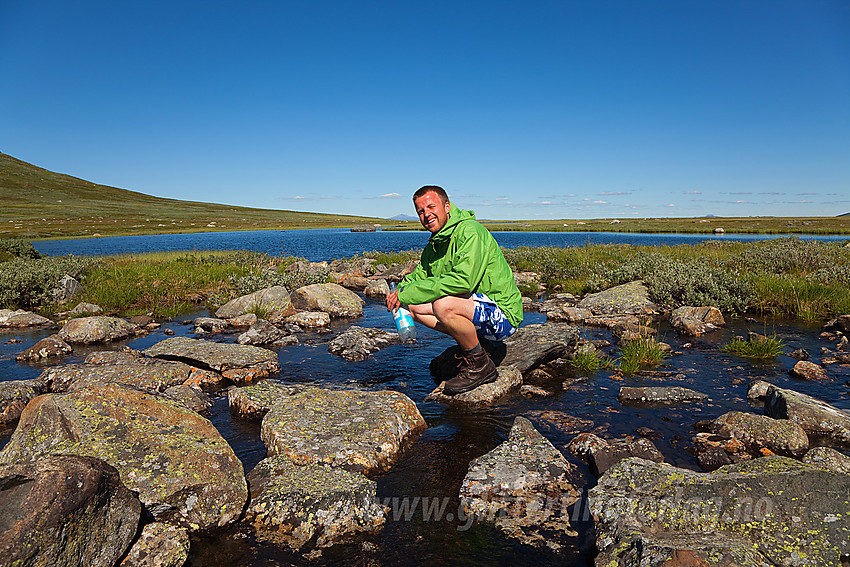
{"x":317,"y":245}
{"x":435,"y":465}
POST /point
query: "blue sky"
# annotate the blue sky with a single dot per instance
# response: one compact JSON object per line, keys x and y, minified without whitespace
{"x":521,"y":110}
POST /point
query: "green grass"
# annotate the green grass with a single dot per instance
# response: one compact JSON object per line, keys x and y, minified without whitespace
{"x":41,"y":204}
{"x":638,"y":354}
{"x":586,"y":362}
{"x":760,"y":349}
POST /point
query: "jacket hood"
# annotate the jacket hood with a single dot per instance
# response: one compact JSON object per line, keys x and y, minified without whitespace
{"x":456,"y":216}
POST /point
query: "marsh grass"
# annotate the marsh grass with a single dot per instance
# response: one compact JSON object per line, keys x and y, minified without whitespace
{"x":765,"y":348}
{"x":587,"y":362}
{"x":638,"y":354}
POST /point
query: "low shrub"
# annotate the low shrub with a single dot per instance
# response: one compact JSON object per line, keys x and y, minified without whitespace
{"x":18,"y":248}
{"x":25,"y":283}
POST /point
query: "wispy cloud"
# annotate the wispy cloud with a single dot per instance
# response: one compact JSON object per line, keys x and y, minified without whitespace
{"x":612,"y":193}
{"x":390,"y":196}
{"x":693,"y":192}
{"x":309,"y":198}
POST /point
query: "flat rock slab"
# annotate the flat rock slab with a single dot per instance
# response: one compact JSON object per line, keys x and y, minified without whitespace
{"x":696,"y":321}
{"x":817,"y":418}
{"x":769,"y":502}
{"x":48,"y":347}
{"x":182,"y":469}
{"x":96,"y":329}
{"x":315,"y":505}
{"x":255,"y":401}
{"x":14,"y":397}
{"x":239,"y":363}
{"x":533,"y":345}
{"x":351,"y":429}
{"x":15,"y":319}
{"x":756,"y":432}
{"x":329,"y":298}
{"x":630,"y":298}
{"x":159,"y":545}
{"x":522,"y":486}
{"x":658,"y":395}
{"x":65,"y":511}
{"x":358,"y":343}
{"x":148,"y":374}
{"x":509,"y":379}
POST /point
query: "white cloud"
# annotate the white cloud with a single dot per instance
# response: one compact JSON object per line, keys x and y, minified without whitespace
{"x":612,"y":193}
{"x":693,"y":192}
{"x":390,"y":196}
{"x":670,"y":205}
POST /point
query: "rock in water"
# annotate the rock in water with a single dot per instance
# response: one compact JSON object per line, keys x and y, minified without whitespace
{"x":159,"y":545}
{"x":99,"y":328}
{"x":758,"y":512}
{"x":354,"y":430}
{"x":330,"y":298}
{"x":509,"y":379}
{"x":781,"y":436}
{"x":358,"y":343}
{"x":817,"y":418}
{"x":696,"y":321}
{"x":65,"y":510}
{"x":630,"y":298}
{"x":255,"y":401}
{"x":21,"y":318}
{"x":48,"y":347}
{"x":239,"y":363}
{"x":14,"y":397}
{"x":183,"y":470}
{"x":274,"y":301}
{"x":311,"y":504}
{"x":524,"y":485}
{"x":658,"y":395}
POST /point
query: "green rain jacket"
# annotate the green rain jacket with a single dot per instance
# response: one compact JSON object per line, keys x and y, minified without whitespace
{"x":463,"y":257}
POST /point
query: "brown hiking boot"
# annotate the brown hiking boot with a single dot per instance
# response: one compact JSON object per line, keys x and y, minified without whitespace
{"x":477,"y":369}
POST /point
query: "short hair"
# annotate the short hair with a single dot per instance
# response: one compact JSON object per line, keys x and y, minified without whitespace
{"x":441,"y":193}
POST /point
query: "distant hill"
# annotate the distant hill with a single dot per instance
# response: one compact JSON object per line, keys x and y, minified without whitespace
{"x":404,"y":218}
{"x":38,"y":203}
{"x":844,"y":215}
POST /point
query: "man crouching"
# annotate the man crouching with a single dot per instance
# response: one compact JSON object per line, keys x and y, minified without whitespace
{"x":462,"y":287}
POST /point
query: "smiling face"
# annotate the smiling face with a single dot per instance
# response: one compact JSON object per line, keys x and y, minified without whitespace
{"x":433,"y":213}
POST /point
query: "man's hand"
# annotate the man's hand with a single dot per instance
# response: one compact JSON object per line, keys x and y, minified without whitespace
{"x":392,"y":301}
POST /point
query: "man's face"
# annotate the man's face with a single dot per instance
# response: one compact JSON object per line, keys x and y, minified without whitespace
{"x":433,"y":213}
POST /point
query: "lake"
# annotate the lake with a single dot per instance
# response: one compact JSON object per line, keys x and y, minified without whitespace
{"x":317,"y":245}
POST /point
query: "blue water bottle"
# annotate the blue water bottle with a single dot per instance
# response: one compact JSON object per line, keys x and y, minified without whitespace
{"x":403,"y":322}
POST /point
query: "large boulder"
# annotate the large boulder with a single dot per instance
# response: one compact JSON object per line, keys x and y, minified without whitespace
{"x":67,"y":289}
{"x":358,"y":343}
{"x":48,"y":347}
{"x":358,"y":431}
{"x":14,"y":397}
{"x":829,"y":459}
{"x":96,"y":329}
{"x":274,"y":302}
{"x":647,"y":513}
{"x":65,"y":511}
{"x":630,"y":298}
{"x":756,"y":432}
{"x":508,"y":379}
{"x":159,"y":545}
{"x":696,"y":321}
{"x":602,"y":454}
{"x":817,"y":418}
{"x":311,"y":504}
{"x":261,"y":332}
{"x":182,"y":469}
{"x":330,"y":298}
{"x":148,"y":374}
{"x":523,"y":486}
{"x":20,"y":318}
{"x":238,"y":363}
{"x":255,"y":400}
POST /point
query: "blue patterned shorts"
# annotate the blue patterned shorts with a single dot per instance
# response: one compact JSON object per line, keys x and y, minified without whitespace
{"x":490,"y":320}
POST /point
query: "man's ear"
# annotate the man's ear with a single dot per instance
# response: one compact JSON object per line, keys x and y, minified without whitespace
{"x":448,"y":206}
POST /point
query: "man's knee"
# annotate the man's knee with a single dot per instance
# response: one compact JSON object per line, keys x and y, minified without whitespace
{"x":451,"y":305}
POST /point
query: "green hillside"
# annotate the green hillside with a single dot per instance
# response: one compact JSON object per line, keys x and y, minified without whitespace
{"x":38,"y":203}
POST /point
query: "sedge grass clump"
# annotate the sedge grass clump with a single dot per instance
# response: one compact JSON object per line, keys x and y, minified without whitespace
{"x":640,"y":353}
{"x":761,"y":348}
{"x":587,"y":361}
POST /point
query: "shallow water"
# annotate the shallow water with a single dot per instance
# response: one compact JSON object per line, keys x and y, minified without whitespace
{"x":435,"y":465}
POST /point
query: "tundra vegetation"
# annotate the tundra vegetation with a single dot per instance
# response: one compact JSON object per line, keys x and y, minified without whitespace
{"x":787,"y":277}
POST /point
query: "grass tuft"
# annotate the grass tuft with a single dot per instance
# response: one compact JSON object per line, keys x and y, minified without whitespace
{"x":765,"y":348}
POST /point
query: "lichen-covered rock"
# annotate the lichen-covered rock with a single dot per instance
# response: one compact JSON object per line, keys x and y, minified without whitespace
{"x":14,"y":397}
{"x":310,"y":505}
{"x":602,"y":454}
{"x":182,"y":469}
{"x":48,"y":347}
{"x":658,"y":395}
{"x":358,"y":343}
{"x":96,"y":329}
{"x":193,"y":398}
{"x":84,"y":308}
{"x":275,"y":302}
{"x":376,"y":288}
{"x":509,"y":378}
{"x":65,"y":511}
{"x":758,"y":390}
{"x":522,"y":486}
{"x":330,"y":298}
{"x":568,"y":314}
{"x":805,"y":370}
{"x":210,"y":324}
{"x":310,"y":319}
{"x":260,"y":333}
{"x":768,"y":502}
{"x":696,"y":321}
{"x":756,"y":432}
{"x":238,"y":363}
{"x":159,"y":545}
{"x":147,"y":374}
{"x":358,"y":431}
{"x":629,"y":298}
{"x":817,"y":418}
{"x":67,"y":289}
{"x":829,"y":459}
{"x":255,"y":400}
{"x":21,"y":318}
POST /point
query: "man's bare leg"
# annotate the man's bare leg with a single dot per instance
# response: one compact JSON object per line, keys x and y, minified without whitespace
{"x":451,"y":315}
